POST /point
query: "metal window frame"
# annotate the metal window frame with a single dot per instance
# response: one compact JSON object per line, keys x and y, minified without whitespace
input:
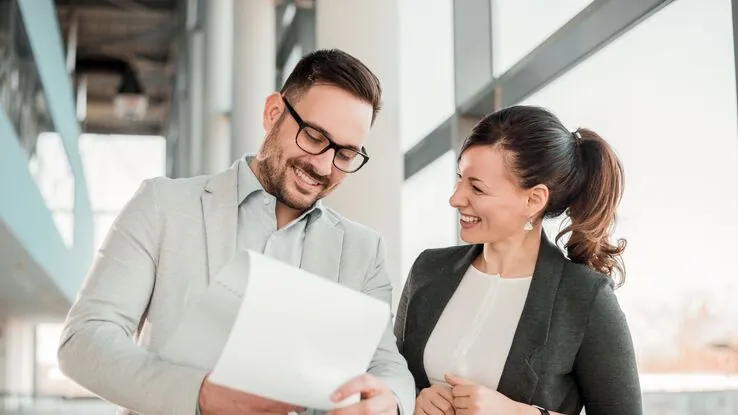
{"x":589,"y":31}
{"x":299,"y":32}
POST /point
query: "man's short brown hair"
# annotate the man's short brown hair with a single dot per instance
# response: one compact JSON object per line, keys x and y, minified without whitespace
{"x":335,"y":68}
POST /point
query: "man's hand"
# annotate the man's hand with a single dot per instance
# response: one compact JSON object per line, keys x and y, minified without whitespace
{"x":218,"y":400}
{"x":376,"y":397}
{"x":436,"y":400}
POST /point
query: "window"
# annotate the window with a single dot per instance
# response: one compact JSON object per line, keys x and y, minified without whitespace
{"x":426,"y":68}
{"x":120,"y":164}
{"x":53,"y":175}
{"x":664,"y":95}
{"x":521,"y":25}
{"x":428,"y":221}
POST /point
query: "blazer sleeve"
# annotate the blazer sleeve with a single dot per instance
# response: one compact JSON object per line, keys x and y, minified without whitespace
{"x":605,"y":368}
{"x":387,"y":363}
{"x":97,"y":349}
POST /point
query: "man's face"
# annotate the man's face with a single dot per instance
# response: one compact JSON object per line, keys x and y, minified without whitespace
{"x":294,"y":177}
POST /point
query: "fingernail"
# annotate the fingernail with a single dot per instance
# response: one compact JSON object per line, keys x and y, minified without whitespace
{"x":335,"y":396}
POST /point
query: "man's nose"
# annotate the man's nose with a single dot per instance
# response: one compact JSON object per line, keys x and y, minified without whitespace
{"x":323,"y":163}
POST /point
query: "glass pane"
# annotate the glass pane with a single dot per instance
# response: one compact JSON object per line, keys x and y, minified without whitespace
{"x":521,"y":25}
{"x":426,"y":67}
{"x":120,"y":164}
{"x":673,"y":123}
{"x":51,"y":171}
{"x":428,"y":221}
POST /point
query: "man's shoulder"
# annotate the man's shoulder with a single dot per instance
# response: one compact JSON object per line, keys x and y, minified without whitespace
{"x":167,"y":188}
{"x":351,"y":228}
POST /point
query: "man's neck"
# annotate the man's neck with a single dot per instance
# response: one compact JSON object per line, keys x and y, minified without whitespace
{"x":282,"y":212}
{"x":285,"y":214}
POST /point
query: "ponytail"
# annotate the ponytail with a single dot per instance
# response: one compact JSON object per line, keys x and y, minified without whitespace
{"x":592,"y":211}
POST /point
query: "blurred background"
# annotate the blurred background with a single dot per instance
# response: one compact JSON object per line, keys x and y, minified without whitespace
{"x":97,"y":95}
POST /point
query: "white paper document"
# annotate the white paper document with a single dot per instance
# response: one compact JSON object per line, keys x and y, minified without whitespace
{"x":297,"y":337}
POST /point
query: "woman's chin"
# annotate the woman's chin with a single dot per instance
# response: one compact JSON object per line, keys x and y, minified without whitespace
{"x":469,"y":237}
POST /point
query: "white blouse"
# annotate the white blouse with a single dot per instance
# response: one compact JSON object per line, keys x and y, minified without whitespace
{"x":475,"y":331}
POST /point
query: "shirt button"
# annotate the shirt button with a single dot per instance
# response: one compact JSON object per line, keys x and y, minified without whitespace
{"x":266,"y":200}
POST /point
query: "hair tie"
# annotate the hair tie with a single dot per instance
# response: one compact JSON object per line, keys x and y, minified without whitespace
{"x":577,"y":137}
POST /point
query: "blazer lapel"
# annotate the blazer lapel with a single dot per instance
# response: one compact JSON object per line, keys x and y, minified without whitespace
{"x":321,"y":253}
{"x":519,"y":381}
{"x":434,"y":298}
{"x":220,"y":213}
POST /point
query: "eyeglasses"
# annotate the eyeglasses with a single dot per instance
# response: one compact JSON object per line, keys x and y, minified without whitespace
{"x":314,"y":141}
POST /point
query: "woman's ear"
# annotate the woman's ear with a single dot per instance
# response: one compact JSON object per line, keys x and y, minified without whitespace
{"x":537,"y":200}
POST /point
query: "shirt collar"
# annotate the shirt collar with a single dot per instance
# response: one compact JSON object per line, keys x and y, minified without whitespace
{"x":248,"y":184}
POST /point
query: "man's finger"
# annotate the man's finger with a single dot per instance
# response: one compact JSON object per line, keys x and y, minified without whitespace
{"x":360,"y":384}
{"x":376,"y":405}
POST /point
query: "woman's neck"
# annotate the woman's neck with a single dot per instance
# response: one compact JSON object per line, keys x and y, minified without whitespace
{"x":512,"y":258}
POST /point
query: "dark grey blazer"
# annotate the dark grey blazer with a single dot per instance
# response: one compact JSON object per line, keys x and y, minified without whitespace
{"x":572,"y":347}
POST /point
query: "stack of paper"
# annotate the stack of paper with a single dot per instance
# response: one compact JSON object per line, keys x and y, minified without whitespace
{"x":297,"y":337}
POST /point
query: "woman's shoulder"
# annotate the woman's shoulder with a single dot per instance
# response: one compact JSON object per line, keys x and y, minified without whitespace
{"x":582,"y":285}
{"x":433,"y":261}
{"x":443,"y":258}
{"x":576,"y":278}
{"x":443,"y":254}
{"x":583,"y":276}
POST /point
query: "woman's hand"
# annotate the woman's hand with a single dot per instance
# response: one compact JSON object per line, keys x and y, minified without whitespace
{"x":472,"y":399}
{"x":436,"y":400}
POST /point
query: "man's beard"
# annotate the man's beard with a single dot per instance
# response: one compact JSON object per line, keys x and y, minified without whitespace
{"x":274,"y":170}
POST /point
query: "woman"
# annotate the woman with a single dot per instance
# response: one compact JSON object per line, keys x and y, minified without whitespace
{"x":509,"y":325}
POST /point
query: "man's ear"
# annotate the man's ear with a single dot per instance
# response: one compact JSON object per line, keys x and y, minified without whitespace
{"x":273,"y":108}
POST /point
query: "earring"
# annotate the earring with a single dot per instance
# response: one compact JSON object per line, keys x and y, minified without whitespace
{"x":528,"y":225}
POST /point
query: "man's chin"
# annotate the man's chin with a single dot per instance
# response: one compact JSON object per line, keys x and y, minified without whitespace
{"x":301,"y":202}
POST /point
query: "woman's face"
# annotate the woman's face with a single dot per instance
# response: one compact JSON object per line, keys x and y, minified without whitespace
{"x":491,"y":204}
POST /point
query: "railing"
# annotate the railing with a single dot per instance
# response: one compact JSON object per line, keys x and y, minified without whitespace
{"x":48,"y":207}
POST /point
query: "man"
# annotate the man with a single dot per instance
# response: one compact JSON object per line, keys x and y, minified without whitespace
{"x":157,"y":274}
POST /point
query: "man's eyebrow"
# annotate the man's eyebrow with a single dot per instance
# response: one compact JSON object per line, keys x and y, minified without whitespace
{"x":328,"y":135}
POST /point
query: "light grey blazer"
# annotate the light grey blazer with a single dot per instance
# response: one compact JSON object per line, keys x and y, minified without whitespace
{"x":151,"y":318}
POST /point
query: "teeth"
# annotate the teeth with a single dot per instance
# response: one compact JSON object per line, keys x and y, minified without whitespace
{"x":305,"y":177}
{"x":470,"y":219}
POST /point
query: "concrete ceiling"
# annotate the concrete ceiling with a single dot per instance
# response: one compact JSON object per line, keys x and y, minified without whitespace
{"x":112,"y":37}
{"x":25,"y":289}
